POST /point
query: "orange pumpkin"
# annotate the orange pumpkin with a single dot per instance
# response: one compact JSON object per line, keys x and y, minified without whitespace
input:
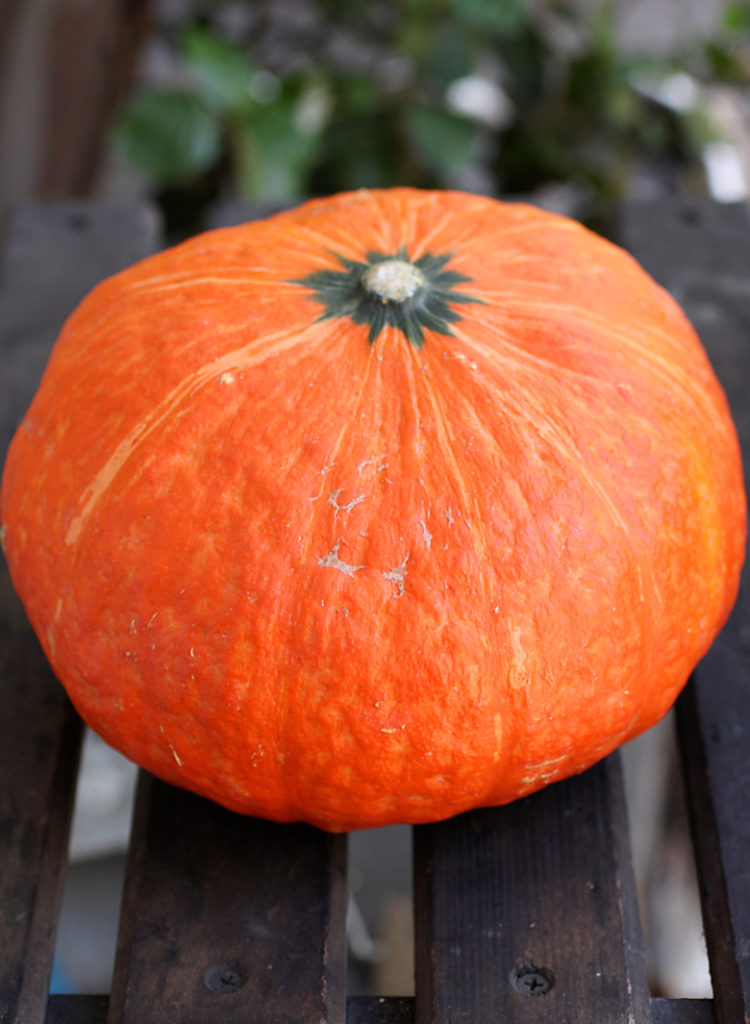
{"x":387,"y":507}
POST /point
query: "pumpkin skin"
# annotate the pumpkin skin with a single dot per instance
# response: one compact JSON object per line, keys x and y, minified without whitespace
{"x":322,"y":554}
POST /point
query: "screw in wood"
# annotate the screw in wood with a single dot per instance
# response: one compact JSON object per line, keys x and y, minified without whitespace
{"x":223,"y":977}
{"x":530,"y":980}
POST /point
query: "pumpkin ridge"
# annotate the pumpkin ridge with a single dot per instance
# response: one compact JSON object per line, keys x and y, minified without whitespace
{"x":187,"y":388}
{"x":671,"y":375}
{"x":537,"y":420}
{"x":498,"y":235}
{"x":446,"y":442}
{"x":424,"y":241}
{"x":515,"y":358}
{"x":321,"y":499}
{"x":338,"y":236}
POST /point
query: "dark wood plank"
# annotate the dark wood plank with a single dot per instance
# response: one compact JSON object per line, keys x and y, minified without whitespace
{"x":38,"y":766}
{"x":683,"y":1011}
{"x":715,"y":767}
{"x":75,"y":1009}
{"x":50,"y":258}
{"x":701,"y":252}
{"x":224,"y":914}
{"x":528,"y":912}
{"x":379,"y":1010}
{"x":71,"y":1009}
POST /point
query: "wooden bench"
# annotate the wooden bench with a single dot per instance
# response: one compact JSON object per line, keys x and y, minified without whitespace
{"x":522,"y":914}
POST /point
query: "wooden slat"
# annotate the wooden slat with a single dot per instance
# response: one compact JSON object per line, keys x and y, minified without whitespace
{"x":75,"y":1009}
{"x":528,"y":913}
{"x":682,"y":1011}
{"x":701,"y":252}
{"x":50,"y":258}
{"x":72,"y":1009}
{"x":38,"y":768}
{"x":379,"y":1010}
{"x":225,"y":914}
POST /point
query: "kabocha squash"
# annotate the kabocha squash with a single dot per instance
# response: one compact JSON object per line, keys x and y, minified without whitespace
{"x":390,"y":506}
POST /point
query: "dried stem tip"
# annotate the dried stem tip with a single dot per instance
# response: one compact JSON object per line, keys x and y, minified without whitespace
{"x":393,"y":280}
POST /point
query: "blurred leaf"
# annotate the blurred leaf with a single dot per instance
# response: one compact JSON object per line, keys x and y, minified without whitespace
{"x":169,"y":136}
{"x":223,"y":73}
{"x":441,"y":141}
{"x":375,"y":161}
{"x":449,"y":54}
{"x":273,"y":156}
{"x":724,"y":63}
{"x":737,"y":17}
{"x":375,"y":77}
{"x":498,"y":17}
{"x":525,"y":61}
{"x":358,"y":95}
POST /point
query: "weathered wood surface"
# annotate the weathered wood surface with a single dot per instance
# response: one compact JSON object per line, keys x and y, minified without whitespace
{"x":224,"y":914}
{"x":524,"y":914}
{"x":528,"y":912}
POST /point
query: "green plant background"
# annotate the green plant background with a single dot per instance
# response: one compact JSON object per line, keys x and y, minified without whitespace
{"x":320,"y":97}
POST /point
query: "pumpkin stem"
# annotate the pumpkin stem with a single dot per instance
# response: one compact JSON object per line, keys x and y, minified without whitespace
{"x":393,"y":280}
{"x":392,"y":291}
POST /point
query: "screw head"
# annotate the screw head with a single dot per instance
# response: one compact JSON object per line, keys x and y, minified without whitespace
{"x":530,"y":980}
{"x":224,"y":977}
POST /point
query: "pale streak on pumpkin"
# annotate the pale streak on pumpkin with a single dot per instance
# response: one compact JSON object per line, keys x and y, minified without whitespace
{"x":700,"y":403}
{"x":401,"y":222}
{"x":340,"y":237}
{"x":340,"y":331}
{"x":525,"y":228}
{"x":523,"y":359}
{"x":241,"y":358}
{"x":179,"y":282}
{"x":446,"y":442}
{"x":469,"y":509}
{"x":425,"y":242}
{"x":537,"y":419}
{"x":669,"y":373}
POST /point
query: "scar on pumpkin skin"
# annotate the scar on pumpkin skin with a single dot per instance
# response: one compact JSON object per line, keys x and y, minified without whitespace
{"x":333,"y":499}
{"x":175,"y":755}
{"x":332,"y":561}
{"x":397,"y":576}
{"x":368,"y":462}
{"x":426,"y":535}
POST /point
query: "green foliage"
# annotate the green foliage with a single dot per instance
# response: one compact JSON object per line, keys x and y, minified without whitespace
{"x":728,"y":55}
{"x":171,"y":136}
{"x":365,"y":95}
